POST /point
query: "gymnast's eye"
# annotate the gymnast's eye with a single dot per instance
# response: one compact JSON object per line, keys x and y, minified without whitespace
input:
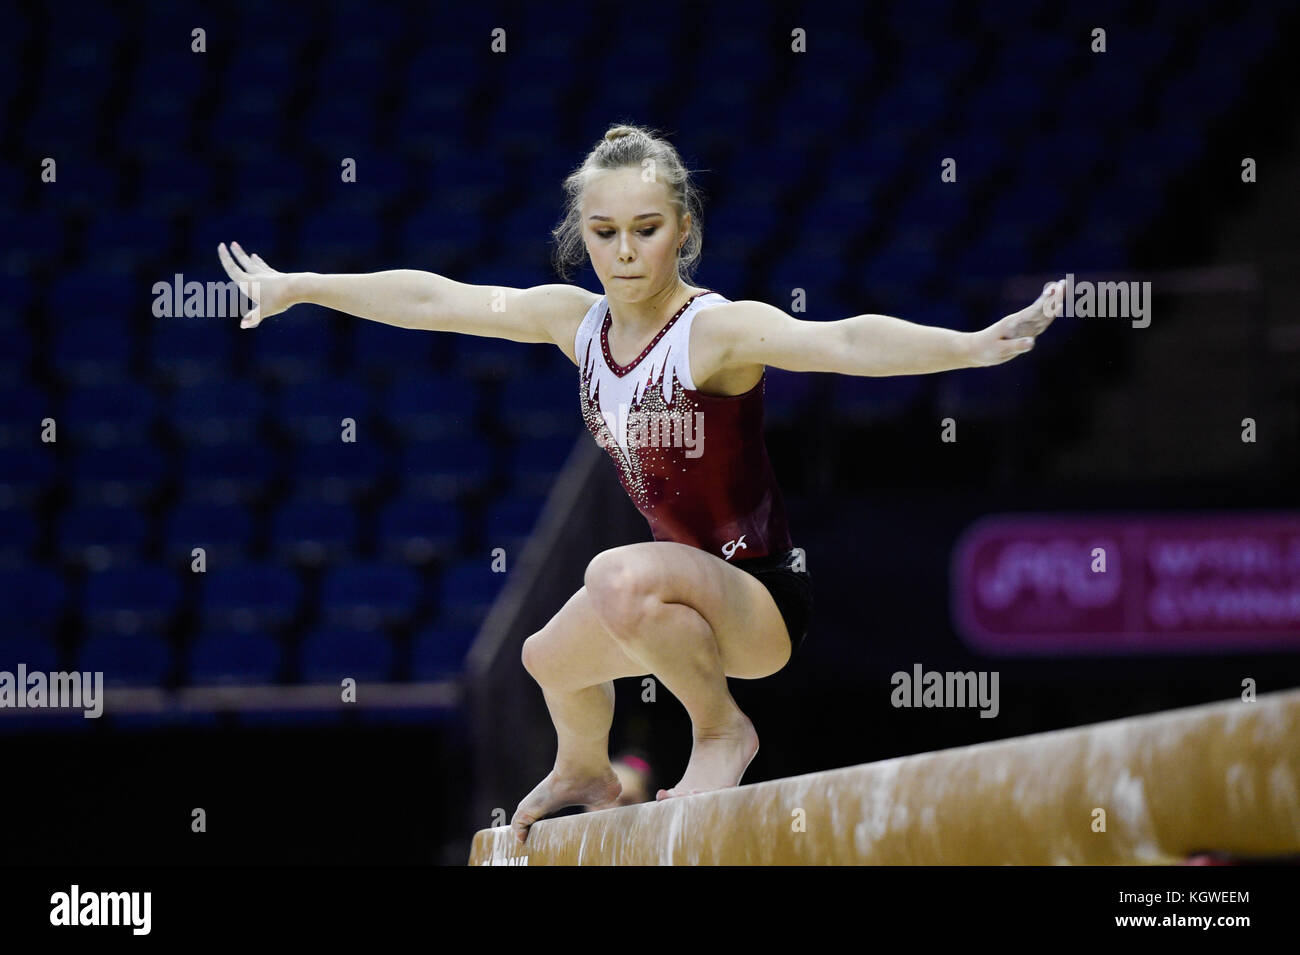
{"x":645,"y":232}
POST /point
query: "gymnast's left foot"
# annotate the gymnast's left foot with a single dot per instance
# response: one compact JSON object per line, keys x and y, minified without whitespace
{"x":718,"y":759}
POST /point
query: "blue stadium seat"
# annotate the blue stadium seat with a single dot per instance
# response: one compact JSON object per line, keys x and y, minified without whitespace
{"x":1005,"y":251}
{"x":509,"y":522}
{"x":494,"y":359}
{"x":1099,"y":248}
{"x":980,"y":159}
{"x":43,"y":241}
{"x":218,"y":412}
{"x":90,"y":344}
{"x":899,"y":265}
{"x":431,"y":406}
{"x":19,"y":533}
{"x":314,"y":411}
{"x":229,"y":472}
{"x":137,"y":660}
{"x":446,"y":468}
{"x":25,"y":472}
{"x":362,"y":54}
{"x":425,"y":235}
{"x":785,"y":395}
{"x":69,"y":121}
{"x":1101,"y":89}
{"x":724,"y":271}
{"x":224,"y":531}
{"x":438,"y":652}
{"x":417,"y":530}
{"x":32,"y":599}
{"x":129,"y":240}
{"x":541,"y":405}
{"x":1040,"y":206}
{"x":292,"y":347}
{"x":839,"y":214}
{"x":536,"y":462}
{"x":865,"y":400}
{"x":335,"y":240}
{"x":254,"y":109}
{"x":250,"y":224}
{"x":1073,"y":157}
{"x":523,"y":121}
{"x":900,"y":114}
{"x":369,"y":594}
{"x":101,"y":535}
{"x":433,"y":112}
{"x":1007,"y":101}
{"x":249,"y":597}
{"x":189,"y":351}
{"x":22,"y":288}
{"x":87,"y":184}
{"x":19,"y":349}
{"x":332,"y":654}
{"x":388,"y":351}
{"x":170,"y":185}
{"x":103,"y":297}
{"x":118,"y":474}
{"x":25,"y":646}
{"x":337,"y":125}
{"x":120,"y":413}
{"x":234,"y":657}
{"x":156,"y":111}
{"x":24,"y":406}
{"x":128,"y":600}
{"x":944,"y":205}
{"x":339,"y":471}
{"x":921,"y":16}
{"x":313,"y":532}
{"x":466,"y":592}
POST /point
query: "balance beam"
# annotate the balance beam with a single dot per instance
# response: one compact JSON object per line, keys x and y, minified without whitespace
{"x":1223,"y":776}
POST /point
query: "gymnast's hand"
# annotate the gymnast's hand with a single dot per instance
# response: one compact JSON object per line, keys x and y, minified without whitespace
{"x":1014,"y":335}
{"x":268,"y":288}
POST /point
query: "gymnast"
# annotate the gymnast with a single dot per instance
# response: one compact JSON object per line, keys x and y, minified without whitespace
{"x":671,"y":386}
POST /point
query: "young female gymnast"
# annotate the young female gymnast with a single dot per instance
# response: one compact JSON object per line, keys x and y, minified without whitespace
{"x":671,"y":385}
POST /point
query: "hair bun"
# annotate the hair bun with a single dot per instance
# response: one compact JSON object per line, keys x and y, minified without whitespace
{"x":618,"y":132}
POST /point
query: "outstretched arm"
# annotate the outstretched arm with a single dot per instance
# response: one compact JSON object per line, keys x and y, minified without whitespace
{"x":412,"y":299}
{"x":741,"y":334}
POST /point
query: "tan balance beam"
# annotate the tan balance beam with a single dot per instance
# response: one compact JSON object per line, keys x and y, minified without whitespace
{"x":1145,"y":790}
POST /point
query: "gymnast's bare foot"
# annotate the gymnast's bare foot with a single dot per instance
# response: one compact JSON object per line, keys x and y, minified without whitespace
{"x":718,"y":759}
{"x":562,"y":788}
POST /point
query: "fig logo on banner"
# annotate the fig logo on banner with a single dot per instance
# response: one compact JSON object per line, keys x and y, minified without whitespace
{"x":1043,"y":584}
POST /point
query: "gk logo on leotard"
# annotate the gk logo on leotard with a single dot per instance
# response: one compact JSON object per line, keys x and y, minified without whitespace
{"x":730,"y":547}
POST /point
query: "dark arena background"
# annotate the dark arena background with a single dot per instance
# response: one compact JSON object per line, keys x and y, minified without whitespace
{"x":310,"y":646}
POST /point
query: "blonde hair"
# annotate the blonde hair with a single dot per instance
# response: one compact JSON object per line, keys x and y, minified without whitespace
{"x":630,"y":146}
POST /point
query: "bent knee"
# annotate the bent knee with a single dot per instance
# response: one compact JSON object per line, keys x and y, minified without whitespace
{"x":620,"y":586}
{"x":536,"y":656}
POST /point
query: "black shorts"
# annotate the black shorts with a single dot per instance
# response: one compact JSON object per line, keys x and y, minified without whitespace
{"x":790,"y":588}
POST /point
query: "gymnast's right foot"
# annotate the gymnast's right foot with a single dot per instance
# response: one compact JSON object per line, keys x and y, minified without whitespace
{"x":560,"y":789}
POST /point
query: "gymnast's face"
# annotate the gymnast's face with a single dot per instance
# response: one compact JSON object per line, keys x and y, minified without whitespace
{"x":632,"y":233}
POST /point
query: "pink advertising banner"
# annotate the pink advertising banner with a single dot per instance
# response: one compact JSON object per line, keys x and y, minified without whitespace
{"x":1139,"y":583}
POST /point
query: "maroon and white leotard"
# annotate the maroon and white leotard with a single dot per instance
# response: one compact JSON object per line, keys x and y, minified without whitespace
{"x":695,"y":465}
